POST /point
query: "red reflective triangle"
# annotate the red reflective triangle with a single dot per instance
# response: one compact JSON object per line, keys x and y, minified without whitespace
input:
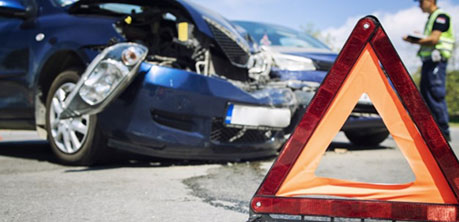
{"x":368,"y":43}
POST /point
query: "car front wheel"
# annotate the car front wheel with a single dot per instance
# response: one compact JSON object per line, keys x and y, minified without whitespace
{"x":75,"y":141}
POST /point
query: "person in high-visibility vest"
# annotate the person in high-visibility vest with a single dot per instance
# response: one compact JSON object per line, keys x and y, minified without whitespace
{"x":437,"y":46}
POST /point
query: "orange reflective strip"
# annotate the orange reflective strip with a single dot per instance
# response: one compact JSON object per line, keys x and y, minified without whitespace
{"x":367,"y":77}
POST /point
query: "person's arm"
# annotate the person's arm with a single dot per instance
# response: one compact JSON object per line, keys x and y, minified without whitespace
{"x":441,"y":24}
{"x":432,"y":39}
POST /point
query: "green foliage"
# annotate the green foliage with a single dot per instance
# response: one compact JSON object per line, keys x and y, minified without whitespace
{"x":452,"y":91}
{"x":454,"y":121}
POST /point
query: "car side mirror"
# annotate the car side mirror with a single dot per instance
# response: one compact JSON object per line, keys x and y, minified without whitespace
{"x":14,"y":8}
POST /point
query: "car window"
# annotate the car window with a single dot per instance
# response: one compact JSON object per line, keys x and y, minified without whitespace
{"x":275,"y":35}
{"x":121,"y":8}
{"x":64,"y":3}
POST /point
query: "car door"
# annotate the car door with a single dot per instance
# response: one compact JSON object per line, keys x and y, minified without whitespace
{"x":16,"y":100}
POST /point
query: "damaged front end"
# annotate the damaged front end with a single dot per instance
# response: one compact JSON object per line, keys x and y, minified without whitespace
{"x":188,"y":80}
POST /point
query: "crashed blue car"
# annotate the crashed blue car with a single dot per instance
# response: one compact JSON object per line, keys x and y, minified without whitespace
{"x":161,"y":78}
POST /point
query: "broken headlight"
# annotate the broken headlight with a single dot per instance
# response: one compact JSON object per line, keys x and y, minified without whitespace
{"x":115,"y":65}
{"x":104,"y":79}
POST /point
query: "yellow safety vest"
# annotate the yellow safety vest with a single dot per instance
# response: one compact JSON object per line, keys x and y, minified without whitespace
{"x":446,"y":43}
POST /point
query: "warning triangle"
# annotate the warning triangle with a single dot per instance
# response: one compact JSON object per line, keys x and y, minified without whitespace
{"x":291,"y":186}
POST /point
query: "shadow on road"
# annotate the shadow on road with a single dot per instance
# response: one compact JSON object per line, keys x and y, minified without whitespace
{"x":41,"y":151}
{"x":31,"y":149}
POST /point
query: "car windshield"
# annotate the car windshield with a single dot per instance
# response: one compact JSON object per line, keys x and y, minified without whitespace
{"x":275,"y":35}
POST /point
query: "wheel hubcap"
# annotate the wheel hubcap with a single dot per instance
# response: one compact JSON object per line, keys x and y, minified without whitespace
{"x":68,"y":134}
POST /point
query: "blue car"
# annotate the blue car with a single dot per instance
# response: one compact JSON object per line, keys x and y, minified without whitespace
{"x":162,"y":78}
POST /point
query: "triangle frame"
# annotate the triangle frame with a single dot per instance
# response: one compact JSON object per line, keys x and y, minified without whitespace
{"x":368,"y":31}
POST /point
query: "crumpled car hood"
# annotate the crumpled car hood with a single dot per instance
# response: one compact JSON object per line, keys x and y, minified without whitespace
{"x":198,"y":13}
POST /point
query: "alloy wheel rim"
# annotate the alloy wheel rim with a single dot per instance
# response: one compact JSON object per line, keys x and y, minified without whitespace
{"x":70,"y":134}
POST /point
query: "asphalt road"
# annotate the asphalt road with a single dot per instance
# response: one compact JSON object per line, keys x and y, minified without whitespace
{"x":33,"y":187}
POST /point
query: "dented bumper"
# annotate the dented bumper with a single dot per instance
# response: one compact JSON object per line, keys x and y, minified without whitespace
{"x":172,"y":113}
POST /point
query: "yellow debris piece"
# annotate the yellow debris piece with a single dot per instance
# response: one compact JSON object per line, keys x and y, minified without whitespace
{"x":128,"y":20}
{"x":183,"y":31}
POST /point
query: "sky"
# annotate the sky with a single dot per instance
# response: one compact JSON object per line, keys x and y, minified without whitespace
{"x":337,"y":18}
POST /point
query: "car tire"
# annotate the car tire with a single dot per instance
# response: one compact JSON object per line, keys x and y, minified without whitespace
{"x":75,"y":141}
{"x":367,"y":137}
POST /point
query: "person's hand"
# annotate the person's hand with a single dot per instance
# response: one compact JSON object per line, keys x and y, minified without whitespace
{"x":406,"y":39}
{"x":410,"y":40}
